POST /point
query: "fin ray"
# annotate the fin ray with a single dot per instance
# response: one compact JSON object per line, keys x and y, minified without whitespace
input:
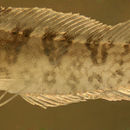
{"x":51,"y":101}
{"x":119,"y":33}
{"x":40,"y":18}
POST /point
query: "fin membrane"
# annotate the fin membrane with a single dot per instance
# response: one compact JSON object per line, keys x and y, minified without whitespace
{"x":7,"y":100}
{"x":119,"y":33}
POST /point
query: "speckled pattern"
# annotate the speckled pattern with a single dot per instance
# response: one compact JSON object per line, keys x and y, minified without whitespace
{"x":50,"y":53}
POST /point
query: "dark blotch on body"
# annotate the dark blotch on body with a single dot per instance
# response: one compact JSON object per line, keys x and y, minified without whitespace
{"x":119,"y":72}
{"x":121,"y":62}
{"x":94,"y":51}
{"x":13,"y":46}
{"x":126,"y":49}
{"x":104,"y":53}
{"x":129,"y":82}
{"x":98,"y":51}
{"x":55,"y":49}
{"x":95,"y":76}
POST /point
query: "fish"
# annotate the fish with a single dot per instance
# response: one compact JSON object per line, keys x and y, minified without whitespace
{"x":53,"y":59}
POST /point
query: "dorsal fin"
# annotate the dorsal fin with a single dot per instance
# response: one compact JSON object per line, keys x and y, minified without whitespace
{"x":119,"y":33}
{"x":41,"y":18}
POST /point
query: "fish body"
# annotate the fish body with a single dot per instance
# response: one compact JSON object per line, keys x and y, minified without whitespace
{"x":52,"y":58}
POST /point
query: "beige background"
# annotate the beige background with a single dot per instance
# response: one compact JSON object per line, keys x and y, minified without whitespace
{"x":90,"y":115}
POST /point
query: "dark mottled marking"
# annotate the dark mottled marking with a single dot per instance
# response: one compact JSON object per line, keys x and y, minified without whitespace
{"x":94,"y":51}
{"x":27,"y":32}
{"x":121,"y":62}
{"x":99,"y":78}
{"x":13,"y":46}
{"x":77,"y":63}
{"x":119,"y":72}
{"x":73,"y":81}
{"x":126,"y":49}
{"x":119,"y":81}
{"x":15,"y":31}
{"x":4,"y":73}
{"x":104,"y":53}
{"x":95,"y":76}
{"x":25,"y":72}
{"x":104,"y":50}
{"x":48,"y":43}
{"x":55,"y":49}
{"x":90,"y":79}
{"x":49,"y":78}
{"x":94,"y":45}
